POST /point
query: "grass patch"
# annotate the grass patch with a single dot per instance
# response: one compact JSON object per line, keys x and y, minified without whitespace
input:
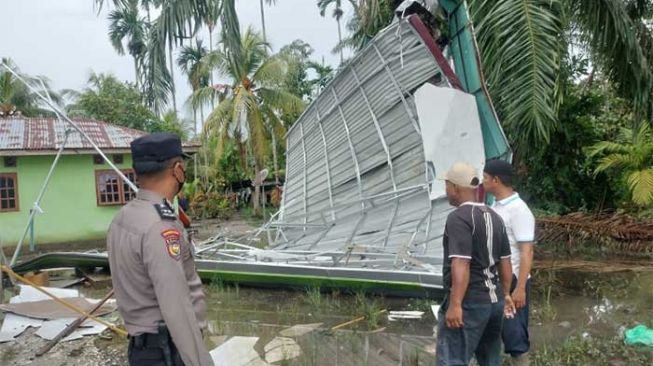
{"x":578,"y":350}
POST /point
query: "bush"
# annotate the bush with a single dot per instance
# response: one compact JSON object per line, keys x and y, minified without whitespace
{"x":211,"y":205}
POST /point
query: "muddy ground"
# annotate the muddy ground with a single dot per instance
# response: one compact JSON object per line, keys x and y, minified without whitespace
{"x":578,"y":317}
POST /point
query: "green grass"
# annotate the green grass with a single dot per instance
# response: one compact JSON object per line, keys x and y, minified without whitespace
{"x":590,"y":351}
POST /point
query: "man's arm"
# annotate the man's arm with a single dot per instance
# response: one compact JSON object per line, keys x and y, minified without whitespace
{"x":523,"y":227}
{"x":459,"y":283}
{"x":162,"y":252}
{"x":460,"y":254}
{"x":505,"y":272}
{"x":525,"y":264}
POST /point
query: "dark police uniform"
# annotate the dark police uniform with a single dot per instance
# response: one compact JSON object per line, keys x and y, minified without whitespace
{"x":157,"y":288}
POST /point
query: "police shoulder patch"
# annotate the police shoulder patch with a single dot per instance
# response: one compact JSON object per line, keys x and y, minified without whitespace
{"x":172,"y":239}
{"x":165,"y":212}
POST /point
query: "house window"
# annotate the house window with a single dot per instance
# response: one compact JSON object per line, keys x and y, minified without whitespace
{"x":98,"y":160}
{"x":117,"y":159}
{"x":111,"y":189}
{"x":8,"y":192}
{"x":10,"y":161}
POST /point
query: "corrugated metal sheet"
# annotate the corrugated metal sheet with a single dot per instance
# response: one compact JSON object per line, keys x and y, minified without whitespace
{"x":42,"y":134}
{"x":356,"y":174}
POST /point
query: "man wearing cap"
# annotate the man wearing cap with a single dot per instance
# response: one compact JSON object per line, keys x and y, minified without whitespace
{"x":520,"y":226}
{"x":157,"y":288}
{"x":475,"y":246}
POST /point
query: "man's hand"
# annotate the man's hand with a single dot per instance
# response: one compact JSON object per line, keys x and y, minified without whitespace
{"x":454,"y":317}
{"x":519,"y":297}
{"x":509,"y":310}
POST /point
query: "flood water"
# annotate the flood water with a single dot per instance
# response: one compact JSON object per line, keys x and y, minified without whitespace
{"x":564,"y":304}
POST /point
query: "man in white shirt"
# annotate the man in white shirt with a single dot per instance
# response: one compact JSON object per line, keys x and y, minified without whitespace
{"x":520,"y":227}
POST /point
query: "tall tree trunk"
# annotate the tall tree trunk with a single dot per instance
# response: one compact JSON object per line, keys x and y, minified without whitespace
{"x":340,"y":40}
{"x":257,"y":187}
{"x":206,"y":153}
{"x":172,"y":78}
{"x":265,"y":39}
{"x":211,"y":71}
{"x":136,"y":75}
{"x":274,"y":158}
{"x":195,"y":119}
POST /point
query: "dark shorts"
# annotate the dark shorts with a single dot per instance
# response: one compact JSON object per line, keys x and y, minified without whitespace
{"x":480,"y":337}
{"x":515,"y":330}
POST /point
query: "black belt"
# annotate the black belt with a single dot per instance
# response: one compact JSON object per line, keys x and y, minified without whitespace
{"x":146,"y":340}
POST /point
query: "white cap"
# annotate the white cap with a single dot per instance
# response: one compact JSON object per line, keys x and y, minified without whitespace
{"x":462,"y":174}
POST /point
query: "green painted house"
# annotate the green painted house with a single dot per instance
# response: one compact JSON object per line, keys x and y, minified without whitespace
{"x":83,"y":194}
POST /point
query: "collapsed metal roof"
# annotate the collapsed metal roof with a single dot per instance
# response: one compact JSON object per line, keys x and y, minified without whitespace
{"x":360,"y":197}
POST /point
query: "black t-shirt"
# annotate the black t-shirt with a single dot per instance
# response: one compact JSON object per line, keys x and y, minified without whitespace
{"x":475,"y":232}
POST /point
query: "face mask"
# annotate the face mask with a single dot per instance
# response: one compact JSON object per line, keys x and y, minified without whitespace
{"x":180,"y":184}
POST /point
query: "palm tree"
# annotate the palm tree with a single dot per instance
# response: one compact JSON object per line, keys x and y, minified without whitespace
{"x":524,"y":45}
{"x":337,"y":14}
{"x":253,"y":102}
{"x":156,"y":77}
{"x":16,"y":98}
{"x":324,"y":73}
{"x":177,"y":20}
{"x":125,"y":22}
{"x":211,"y":20}
{"x":170,"y":122}
{"x":190,"y":62}
{"x":269,"y":2}
{"x":631,"y":155}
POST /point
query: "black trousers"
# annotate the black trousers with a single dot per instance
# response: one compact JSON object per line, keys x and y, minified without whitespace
{"x":147,"y":350}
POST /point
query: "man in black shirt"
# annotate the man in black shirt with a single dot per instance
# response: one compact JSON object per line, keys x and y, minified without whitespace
{"x":475,"y":245}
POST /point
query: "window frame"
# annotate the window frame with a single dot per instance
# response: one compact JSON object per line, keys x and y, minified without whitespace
{"x":121,"y":187}
{"x":14,"y":177}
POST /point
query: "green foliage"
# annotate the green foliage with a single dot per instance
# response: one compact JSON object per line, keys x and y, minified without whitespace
{"x":172,"y":123}
{"x":110,"y":100}
{"x":15,"y":97}
{"x":631,"y":156}
{"x":558,"y":177}
{"x":578,"y":350}
{"x":296,"y":55}
{"x":210,"y":205}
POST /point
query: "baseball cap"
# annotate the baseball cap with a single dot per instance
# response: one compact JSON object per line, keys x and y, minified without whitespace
{"x":462,"y":174}
{"x":498,"y":167}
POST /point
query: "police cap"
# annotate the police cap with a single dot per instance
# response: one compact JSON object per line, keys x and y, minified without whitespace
{"x":150,"y":152}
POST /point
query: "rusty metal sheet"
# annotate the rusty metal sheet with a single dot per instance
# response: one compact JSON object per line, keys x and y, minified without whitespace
{"x":20,"y":133}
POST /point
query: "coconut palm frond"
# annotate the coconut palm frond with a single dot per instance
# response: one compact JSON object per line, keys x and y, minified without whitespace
{"x":641,"y":186}
{"x":271,"y":72}
{"x":519,"y":44}
{"x":613,"y":37}
{"x":218,"y":121}
{"x":281,"y":100}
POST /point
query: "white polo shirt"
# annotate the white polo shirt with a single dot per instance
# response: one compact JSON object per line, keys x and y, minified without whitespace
{"x":520,"y":225}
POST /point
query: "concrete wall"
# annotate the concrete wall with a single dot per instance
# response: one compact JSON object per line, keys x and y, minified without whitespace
{"x":70,"y":205}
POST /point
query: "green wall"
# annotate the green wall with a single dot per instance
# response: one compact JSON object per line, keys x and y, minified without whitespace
{"x":70,"y":205}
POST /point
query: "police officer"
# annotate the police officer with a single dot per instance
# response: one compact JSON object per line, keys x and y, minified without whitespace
{"x":156,"y":284}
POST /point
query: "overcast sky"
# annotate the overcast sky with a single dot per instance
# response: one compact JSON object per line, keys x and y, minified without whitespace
{"x":65,"y":40}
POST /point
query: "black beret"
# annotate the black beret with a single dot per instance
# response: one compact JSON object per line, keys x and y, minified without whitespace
{"x":498,"y":168}
{"x":150,"y":152}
